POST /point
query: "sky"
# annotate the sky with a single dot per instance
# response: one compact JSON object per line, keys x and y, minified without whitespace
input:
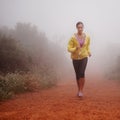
{"x":57,"y":18}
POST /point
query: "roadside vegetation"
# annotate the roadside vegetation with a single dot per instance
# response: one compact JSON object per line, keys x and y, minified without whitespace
{"x":28,"y":60}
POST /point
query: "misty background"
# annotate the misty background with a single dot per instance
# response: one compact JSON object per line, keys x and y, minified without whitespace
{"x":55,"y":21}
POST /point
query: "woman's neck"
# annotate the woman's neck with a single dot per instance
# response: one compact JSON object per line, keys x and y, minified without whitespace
{"x":80,"y":33}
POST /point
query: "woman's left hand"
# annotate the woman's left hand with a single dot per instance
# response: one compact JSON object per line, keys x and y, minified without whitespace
{"x":90,"y":55}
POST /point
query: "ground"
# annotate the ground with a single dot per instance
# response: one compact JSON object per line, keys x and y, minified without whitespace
{"x":101,"y":102}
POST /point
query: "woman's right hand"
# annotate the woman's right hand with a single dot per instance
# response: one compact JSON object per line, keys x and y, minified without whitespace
{"x":78,"y":47}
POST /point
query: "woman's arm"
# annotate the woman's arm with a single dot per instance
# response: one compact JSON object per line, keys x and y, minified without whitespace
{"x":70,"y":46}
{"x":88,"y":46}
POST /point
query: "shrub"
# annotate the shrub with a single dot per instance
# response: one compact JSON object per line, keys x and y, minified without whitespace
{"x":114,"y":71}
{"x":12,"y":57}
{"x":4,"y":92}
{"x":14,"y":83}
{"x":24,"y":49}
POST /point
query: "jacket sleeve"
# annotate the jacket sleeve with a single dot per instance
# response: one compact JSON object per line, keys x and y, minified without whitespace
{"x":70,"y":46}
{"x":88,"y":46}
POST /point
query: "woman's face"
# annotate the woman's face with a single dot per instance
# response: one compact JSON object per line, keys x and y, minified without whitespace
{"x":80,"y":28}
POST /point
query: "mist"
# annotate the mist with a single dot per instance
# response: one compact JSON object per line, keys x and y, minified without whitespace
{"x":57,"y":19}
{"x":37,"y":77}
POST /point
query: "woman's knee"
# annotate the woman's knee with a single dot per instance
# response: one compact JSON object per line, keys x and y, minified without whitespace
{"x":82,"y":75}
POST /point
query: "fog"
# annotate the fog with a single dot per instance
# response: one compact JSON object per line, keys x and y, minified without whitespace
{"x":57,"y":19}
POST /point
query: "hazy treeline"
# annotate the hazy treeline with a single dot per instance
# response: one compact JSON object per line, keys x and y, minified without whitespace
{"x":28,"y":60}
{"x":35,"y":50}
{"x":12,"y":56}
{"x":112,"y":61}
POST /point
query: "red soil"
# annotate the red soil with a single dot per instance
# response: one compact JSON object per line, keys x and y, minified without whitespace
{"x":101,"y":102}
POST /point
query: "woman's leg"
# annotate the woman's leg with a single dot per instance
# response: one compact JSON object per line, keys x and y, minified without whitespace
{"x":78,"y":85}
{"x":76,"y":68}
{"x":83,"y":64}
{"x":82,"y":83}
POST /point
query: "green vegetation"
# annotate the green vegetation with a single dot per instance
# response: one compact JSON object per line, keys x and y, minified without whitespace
{"x":112,"y":70}
{"x":27,"y":60}
{"x":12,"y":57}
{"x":14,"y":83}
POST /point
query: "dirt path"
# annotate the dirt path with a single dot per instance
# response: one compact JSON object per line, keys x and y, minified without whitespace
{"x":101,"y":102}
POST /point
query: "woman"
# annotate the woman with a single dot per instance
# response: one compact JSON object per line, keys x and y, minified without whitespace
{"x":79,"y":47}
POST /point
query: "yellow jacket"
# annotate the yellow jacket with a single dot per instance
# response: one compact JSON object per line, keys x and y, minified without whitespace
{"x":81,"y":52}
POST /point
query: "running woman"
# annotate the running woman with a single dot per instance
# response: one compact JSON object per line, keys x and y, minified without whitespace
{"x":79,"y":47}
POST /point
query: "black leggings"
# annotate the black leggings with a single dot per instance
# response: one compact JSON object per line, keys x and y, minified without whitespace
{"x":79,"y":67}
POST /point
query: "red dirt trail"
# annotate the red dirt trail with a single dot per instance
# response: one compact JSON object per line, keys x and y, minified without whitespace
{"x":101,"y":102}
